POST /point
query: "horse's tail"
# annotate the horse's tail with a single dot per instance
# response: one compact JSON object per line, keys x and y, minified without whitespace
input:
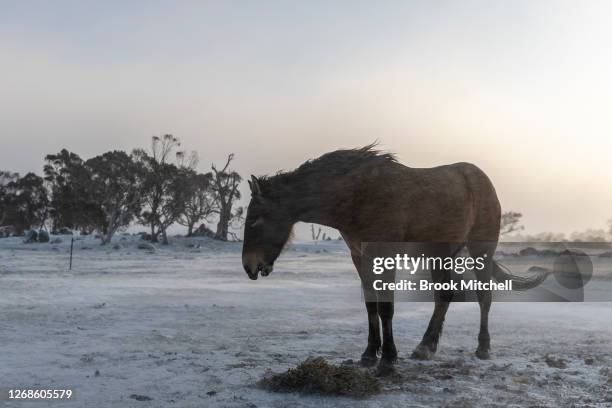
{"x":501,"y":273}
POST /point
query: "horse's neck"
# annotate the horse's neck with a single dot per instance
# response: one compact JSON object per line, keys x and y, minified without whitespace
{"x":318,"y":215}
{"x":322,"y":202}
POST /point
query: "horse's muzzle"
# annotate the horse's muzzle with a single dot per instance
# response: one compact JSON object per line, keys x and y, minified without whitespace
{"x":252,"y":273}
{"x":266,"y":270}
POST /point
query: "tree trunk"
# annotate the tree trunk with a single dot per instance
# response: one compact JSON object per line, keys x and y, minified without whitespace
{"x":223,"y":224}
{"x":164,"y":237}
{"x":190,"y":229}
{"x":106,"y":238}
{"x":109,"y":229}
{"x":153,"y":233}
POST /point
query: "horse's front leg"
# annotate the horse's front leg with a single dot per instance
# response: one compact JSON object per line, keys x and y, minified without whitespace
{"x":389,"y":352}
{"x":370,"y":355}
{"x":379,"y":314}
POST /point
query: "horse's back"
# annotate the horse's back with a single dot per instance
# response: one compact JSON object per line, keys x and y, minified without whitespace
{"x":485,"y":202}
{"x":451,"y":202}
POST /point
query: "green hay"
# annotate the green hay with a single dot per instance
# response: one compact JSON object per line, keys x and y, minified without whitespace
{"x":316,"y":376}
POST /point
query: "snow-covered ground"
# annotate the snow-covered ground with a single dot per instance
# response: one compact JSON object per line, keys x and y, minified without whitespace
{"x":185,"y":327}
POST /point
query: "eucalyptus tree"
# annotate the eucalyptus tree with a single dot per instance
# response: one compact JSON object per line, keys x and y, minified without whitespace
{"x":116,"y":188}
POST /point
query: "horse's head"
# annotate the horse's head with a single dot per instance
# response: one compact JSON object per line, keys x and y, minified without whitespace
{"x":266,"y":230}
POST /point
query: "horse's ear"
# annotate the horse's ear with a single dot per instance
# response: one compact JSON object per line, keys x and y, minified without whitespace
{"x":255,"y":188}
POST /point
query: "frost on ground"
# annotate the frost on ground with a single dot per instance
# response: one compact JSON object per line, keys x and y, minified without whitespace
{"x":183,"y":326}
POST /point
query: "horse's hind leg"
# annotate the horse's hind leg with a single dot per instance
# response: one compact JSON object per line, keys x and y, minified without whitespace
{"x":429,"y":344}
{"x":484,"y":340}
{"x":487,"y":250}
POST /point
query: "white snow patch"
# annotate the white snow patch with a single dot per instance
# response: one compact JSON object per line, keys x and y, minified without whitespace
{"x":186,"y":327}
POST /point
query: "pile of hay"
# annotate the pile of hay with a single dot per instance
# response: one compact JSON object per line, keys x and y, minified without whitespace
{"x":316,"y":376}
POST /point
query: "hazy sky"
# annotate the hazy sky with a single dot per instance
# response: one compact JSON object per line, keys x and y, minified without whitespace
{"x":523,"y":88}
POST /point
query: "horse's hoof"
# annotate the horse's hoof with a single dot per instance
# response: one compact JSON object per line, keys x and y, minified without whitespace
{"x":422,"y":353}
{"x":368,"y":360}
{"x":384,"y":368}
{"x":483,"y":354}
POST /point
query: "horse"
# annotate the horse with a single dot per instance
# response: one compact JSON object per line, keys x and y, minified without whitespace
{"x":368,"y":196}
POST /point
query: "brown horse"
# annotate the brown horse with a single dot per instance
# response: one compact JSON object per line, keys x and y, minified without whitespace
{"x":369,"y":197}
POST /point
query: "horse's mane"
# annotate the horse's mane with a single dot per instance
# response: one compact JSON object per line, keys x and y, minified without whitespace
{"x":332,"y":164}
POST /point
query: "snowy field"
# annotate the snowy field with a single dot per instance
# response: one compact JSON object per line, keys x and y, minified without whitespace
{"x":183,"y":326}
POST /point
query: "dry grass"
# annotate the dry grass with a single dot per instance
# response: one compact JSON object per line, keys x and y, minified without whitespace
{"x":316,"y":376}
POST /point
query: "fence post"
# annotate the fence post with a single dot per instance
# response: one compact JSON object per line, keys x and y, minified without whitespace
{"x":71,"y":246}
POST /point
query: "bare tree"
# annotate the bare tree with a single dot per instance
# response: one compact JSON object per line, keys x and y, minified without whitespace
{"x":510,"y":222}
{"x":225,"y":184}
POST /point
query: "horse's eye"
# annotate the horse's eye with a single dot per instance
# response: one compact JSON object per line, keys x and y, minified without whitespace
{"x":258,"y":221}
